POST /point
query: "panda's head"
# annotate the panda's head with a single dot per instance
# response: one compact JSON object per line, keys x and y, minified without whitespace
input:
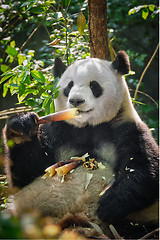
{"x":94,"y":86}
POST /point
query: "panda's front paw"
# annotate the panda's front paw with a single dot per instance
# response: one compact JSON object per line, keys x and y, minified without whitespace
{"x":21,"y":127}
{"x":102,"y":211}
{"x":109,"y":209}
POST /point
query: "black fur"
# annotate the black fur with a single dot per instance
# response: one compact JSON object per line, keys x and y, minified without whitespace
{"x":121,"y":63}
{"x":68,"y":88}
{"x":136,"y":169}
{"x":96,"y":89}
{"x":59,"y":67}
{"x":136,"y":182}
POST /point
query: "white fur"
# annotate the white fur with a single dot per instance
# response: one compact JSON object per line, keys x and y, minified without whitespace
{"x":106,"y":107}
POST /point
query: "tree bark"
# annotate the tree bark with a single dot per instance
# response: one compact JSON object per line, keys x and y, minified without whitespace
{"x":97,"y":10}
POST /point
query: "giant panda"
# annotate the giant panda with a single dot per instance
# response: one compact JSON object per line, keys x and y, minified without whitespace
{"x":109,"y":129}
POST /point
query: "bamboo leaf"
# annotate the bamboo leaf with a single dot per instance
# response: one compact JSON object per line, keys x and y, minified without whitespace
{"x":52,"y":107}
{"x":38,"y":76}
{"x":46,"y":105}
{"x":45,"y":95}
{"x":23,"y":76}
{"x":34,"y":103}
{"x":5,"y":89}
{"x":6,"y":77}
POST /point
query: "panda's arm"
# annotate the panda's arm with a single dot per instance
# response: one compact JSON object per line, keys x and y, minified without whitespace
{"x":27,"y":148}
{"x":136,"y":180}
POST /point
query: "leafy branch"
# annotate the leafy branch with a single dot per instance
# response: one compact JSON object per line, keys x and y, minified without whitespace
{"x":25,"y":43}
{"x":34,"y":86}
{"x":145,"y":10}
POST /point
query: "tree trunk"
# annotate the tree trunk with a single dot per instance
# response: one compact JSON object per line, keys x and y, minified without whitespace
{"x":97,"y":25}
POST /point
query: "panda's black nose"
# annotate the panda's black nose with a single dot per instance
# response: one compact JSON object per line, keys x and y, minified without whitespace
{"x":76,"y":101}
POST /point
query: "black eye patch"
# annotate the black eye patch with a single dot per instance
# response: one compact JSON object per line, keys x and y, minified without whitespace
{"x":96,"y":89}
{"x":68,"y":88}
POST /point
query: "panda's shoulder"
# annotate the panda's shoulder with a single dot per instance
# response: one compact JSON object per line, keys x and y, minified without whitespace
{"x":129,"y":127}
{"x":136,"y":133}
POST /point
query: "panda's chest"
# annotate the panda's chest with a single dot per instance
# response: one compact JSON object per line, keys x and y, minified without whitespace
{"x":97,"y":141}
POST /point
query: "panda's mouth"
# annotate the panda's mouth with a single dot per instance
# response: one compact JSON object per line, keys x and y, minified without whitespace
{"x":83,"y":112}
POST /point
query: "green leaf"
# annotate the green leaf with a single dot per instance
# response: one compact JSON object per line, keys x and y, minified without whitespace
{"x":5,"y":89}
{"x":38,"y":76}
{"x":14,"y":85}
{"x":14,"y":80}
{"x":37,"y":10}
{"x":6,"y":76}
{"x":46,"y":104}
{"x":30,"y":5}
{"x":137,"y":102}
{"x":131,"y":11}
{"x":56,"y":92}
{"x":21,"y":58}
{"x":26,"y":92}
{"x":39,"y":110}
{"x":52,"y":107}
{"x":151,"y":8}
{"x":66,"y":2}
{"x":32,"y":91}
{"x":81,"y":23}
{"x":34,"y":103}
{"x":22,"y":97}
{"x":31,"y":52}
{"x":11,"y":51}
{"x":31,"y":102}
{"x":55,"y":82}
{"x":13,"y":44}
{"x":21,"y":90}
{"x":24,"y":4}
{"x":145,"y":13}
{"x":14,"y":90}
{"x":45,"y":95}
{"x":23,"y":76}
{"x":27,"y":80}
{"x":136,"y":9}
{"x":130,"y":73}
{"x":4,"y":67}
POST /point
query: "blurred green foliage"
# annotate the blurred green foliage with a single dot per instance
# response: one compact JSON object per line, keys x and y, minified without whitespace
{"x":22,"y":74}
{"x":9,"y":227}
{"x":25,"y":80}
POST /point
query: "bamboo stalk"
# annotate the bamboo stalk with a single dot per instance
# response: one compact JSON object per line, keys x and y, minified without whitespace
{"x":59,"y":116}
{"x":4,"y":114}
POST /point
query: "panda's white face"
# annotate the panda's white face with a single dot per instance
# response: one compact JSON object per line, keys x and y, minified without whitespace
{"x":94,"y":88}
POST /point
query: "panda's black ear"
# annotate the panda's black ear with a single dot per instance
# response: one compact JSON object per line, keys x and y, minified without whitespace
{"x":121,"y":63}
{"x":59,"y":67}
